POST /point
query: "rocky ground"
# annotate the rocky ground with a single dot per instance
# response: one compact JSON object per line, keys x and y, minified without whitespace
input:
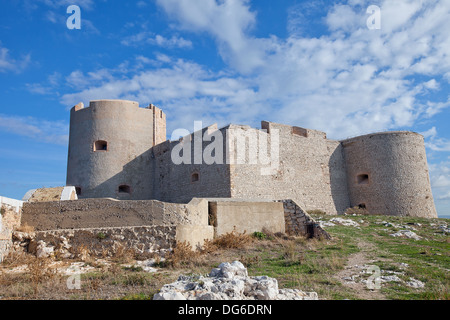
{"x":368,"y":257}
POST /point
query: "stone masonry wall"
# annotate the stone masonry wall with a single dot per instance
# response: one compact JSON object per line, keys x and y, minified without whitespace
{"x":176,"y":183}
{"x":388,"y":174}
{"x":100,"y":242}
{"x":311,"y":170}
{"x":10,"y":217}
{"x":108,"y":241}
{"x":299,"y":222}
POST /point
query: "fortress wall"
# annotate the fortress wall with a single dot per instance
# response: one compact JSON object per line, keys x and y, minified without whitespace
{"x":193,"y":178}
{"x":99,"y":213}
{"x":127,"y":130}
{"x":303,"y":171}
{"x":10,"y":217}
{"x":246,"y":217}
{"x":159,"y":125}
{"x":388,"y":173}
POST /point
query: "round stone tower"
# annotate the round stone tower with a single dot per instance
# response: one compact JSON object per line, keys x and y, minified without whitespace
{"x":387,"y":174}
{"x":109,"y":149}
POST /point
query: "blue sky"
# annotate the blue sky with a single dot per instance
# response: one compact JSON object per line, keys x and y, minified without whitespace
{"x":313,"y":64}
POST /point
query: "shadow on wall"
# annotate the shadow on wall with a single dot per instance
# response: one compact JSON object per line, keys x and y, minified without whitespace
{"x":338,"y":180}
{"x":153,"y":176}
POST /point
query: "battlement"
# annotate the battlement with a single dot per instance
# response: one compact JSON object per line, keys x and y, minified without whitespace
{"x":110,"y":103}
{"x":294,"y":130}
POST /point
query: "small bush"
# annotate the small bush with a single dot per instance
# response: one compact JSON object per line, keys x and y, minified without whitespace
{"x":122,"y":254}
{"x":233,"y":240}
{"x":183,"y":255}
{"x":259,"y":235}
{"x":101,"y":236}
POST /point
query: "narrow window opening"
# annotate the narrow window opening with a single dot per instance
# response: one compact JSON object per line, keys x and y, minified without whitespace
{"x":124,"y":189}
{"x":78,"y":190}
{"x":362,"y":179}
{"x":100,"y":145}
{"x":195,"y":177}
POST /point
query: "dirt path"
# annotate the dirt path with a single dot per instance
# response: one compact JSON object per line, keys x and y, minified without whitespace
{"x":350,"y":277}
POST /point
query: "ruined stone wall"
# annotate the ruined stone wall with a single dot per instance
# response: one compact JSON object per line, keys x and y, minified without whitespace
{"x":388,"y":174}
{"x":311,"y":170}
{"x":10,"y":219}
{"x":300,"y":223}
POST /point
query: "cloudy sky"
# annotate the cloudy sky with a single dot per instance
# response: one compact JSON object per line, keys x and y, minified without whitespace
{"x":330,"y":66}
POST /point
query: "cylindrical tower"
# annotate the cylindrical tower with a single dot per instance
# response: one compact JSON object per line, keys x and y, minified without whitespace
{"x":109,"y":149}
{"x":388,"y":174}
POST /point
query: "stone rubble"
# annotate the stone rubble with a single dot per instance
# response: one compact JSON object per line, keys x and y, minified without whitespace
{"x":230,"y":281}
{"x":406,"y":234}
{"x":344,"y":222}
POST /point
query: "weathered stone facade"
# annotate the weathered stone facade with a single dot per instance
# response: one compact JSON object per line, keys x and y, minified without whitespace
{"x":9,"y":220}
{"x":386,"y":173}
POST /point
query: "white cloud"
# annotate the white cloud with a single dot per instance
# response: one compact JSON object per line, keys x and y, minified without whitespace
{"x":435,"y":143}
{"x":146,"y":37}
{"x":84,"y":4}
{"x":445,"y":196}
{"x":351,"y":81}
{"x":228,"y":22}
{"x":55,"y":132}
{"x":7,"y":63}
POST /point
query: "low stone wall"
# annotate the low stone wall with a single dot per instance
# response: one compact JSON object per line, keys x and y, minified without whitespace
{"x":103,"y":225}
{"x":105,"y":241}
{"x":100,"y":213}
{"x":110,"y":242}
{"x":299,"y":222}
{"x":10,"y":215}
{"x":241,"y":216}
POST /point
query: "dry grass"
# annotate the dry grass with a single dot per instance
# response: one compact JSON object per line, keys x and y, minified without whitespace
{"x":123,"y":254}
{"x":232,"y":240}
{"x":25,"y":228}
{"x":39,"y":272}
{"x":356,"y":210}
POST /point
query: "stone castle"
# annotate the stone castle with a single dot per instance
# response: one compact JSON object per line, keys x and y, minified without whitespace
{"x":128,"y":186}
{"x":119,"y":150}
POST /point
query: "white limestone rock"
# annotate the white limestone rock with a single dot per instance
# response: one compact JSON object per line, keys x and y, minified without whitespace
{"x":230,"y":281}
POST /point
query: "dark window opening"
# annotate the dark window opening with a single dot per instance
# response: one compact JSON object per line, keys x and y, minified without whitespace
{"x":194,"y":177}
{"x":100,"y":145}
{"x":78,"y":190}
{"x":362,"y":179}
{"x":362,"y":206}
{"x":124,"y":189}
